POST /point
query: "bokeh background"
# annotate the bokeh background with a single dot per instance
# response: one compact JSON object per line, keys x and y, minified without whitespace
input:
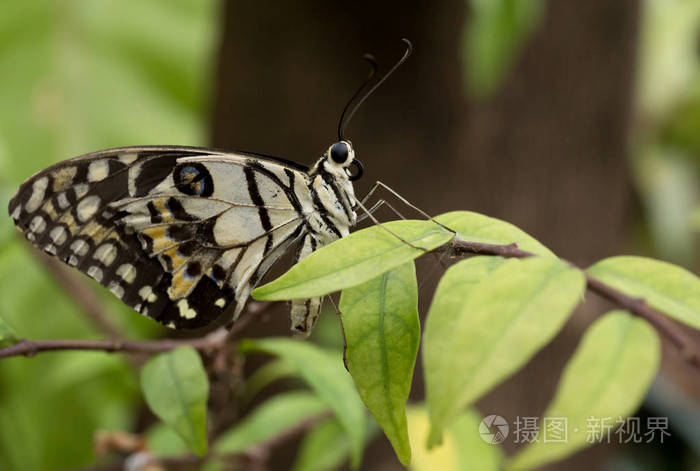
{"x":577,"y":121}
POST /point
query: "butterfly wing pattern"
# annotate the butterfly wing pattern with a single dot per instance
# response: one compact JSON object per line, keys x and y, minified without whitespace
{"x":181,"y":233}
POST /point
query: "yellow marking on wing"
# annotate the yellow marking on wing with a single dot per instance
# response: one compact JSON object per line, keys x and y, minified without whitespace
{"x":160,"y":240}
{"x":176,"y":259}
{"x":95,"y":231}
{"x":181,"y":285}
{"x":70,"y":222}
{"x":49,"y":209}
{"x":63,"y":178}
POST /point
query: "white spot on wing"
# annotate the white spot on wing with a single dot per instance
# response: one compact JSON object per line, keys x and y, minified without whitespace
{"x":80,"y":190}
{"x":128,"y":158}
{"x":37,"y":225}
{"x":95,"y":273}
{"x":88,"y":207}
{"x":15,"y":214}
{"x":50,"y":249}
{"x":134,"y":173}
{"x":116,"y":289}
{"x":79,"y":247}
{"x":106,"y":253}
{"x":147,"y":294}
{"x":221,"y":302}
{"x":62,"y":199}
{"x":185,"y":310}
{"x":58,"y":235}
{"x":127,"y":272}
{"x":37,"y":196}
{"x":98,"y":170}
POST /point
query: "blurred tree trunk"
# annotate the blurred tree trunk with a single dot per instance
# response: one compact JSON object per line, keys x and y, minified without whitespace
{"x":546,"y":153}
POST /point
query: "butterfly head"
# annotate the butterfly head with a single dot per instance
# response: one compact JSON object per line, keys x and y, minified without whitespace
{"x":341,"y":156}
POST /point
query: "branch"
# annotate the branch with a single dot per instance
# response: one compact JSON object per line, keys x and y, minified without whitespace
{"x":29,"y":348}
{"x":637,"y":306}
{"x":215,"y":339}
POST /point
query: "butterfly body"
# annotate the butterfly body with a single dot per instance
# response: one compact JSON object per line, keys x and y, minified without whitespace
{"x":181,"y":233}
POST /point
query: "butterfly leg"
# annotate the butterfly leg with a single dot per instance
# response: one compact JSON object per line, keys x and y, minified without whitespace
{"x":380,"y":184}
{"x":375,"y":221}
{"x":381,"y":202}
{"x":378,"y":205}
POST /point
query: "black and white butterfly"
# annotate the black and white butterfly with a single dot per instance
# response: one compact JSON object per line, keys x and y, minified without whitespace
{"x":181,"y":233}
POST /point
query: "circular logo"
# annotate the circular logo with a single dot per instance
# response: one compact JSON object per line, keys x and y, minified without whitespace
{"x":493,"y":429}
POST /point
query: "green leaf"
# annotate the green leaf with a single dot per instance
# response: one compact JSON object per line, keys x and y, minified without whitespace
{"x":473,"y":453}
{"x":163,"y":441}
{"x":266,"y":374}
{"x":382,"y":331}
{"x":605,"y":379}
{"x":354,"y":259}
{"x":7,"y":335}
{"x":475,"y":227}
{"x":270,"y":419}
{"x":176,"y":389}
{"x":324,"y":372}
{"x":668,"y":288}
{"x":495,"y":33}
{"x":489,"y":316}
{"x":324,"y":448}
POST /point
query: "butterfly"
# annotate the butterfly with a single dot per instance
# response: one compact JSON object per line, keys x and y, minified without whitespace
{"x":179,"y":234}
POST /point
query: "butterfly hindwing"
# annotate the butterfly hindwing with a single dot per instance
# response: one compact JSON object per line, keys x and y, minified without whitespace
{"x":177,"y":233}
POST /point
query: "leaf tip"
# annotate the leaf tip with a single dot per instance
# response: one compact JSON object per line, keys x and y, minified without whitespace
{"x":434,"y":437}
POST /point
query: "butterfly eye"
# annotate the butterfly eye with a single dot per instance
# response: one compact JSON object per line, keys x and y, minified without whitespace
{"x":339,"y":152}
{"x":193,"y":179}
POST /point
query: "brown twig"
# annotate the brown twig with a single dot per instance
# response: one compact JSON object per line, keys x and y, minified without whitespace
{"x":637,"y":306}
{"x":29,"y":348}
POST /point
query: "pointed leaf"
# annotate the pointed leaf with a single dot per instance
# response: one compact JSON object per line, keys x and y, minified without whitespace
{"x":176,"y":389}
{"x":667,"y":287}
{"x":270,"y":419}
{"x":163,"y":441}
{"x":266,"y":374}
{"x":489,"y":316}
{"x":354,"y":259}
{"x":324,"y":372}
{"x":382,"y":331}
{"x":606,"y":378}
{"x":324,"y":448}
{"x":475,"y":227}
{"x":473,"y":453}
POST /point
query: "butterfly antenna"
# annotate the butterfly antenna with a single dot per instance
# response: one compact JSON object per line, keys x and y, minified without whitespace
{"x":373,"y":63}
{"x":344,"y":123}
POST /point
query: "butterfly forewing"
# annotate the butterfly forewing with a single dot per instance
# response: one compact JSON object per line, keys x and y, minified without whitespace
{"x":177,"y":233}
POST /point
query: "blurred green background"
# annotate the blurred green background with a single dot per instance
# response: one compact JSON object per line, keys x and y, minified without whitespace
{"x":582,"y":127}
